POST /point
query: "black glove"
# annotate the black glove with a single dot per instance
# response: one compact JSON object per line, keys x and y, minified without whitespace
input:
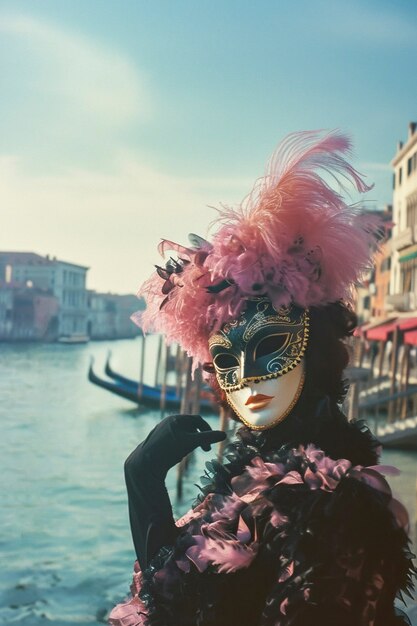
{"x":150,"y":510}
{"x":170,"y":441}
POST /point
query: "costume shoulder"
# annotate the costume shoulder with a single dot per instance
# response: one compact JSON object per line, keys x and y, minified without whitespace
{"x":288,"y":541}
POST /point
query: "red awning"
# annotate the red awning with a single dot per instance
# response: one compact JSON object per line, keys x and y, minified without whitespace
{"x":362,"y":331}
{"x":381,"y":333}
{"x":411,"y":337}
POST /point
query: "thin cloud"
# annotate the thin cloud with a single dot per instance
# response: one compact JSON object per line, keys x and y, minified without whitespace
{"x":111,"y":222}
{"x":101,"y":83}
{"x":356,"y":22}
{"x":373,"y":166}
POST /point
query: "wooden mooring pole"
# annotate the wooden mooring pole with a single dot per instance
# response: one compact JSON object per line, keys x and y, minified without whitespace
{"x":164,"y":381}
{"x":381,"y":354}
{"x":158,"y":362}
{"x":394,"y":365}
{"x":179,"y":357}
{"x":405,"y":377}
{"x":186,"y":404}
{"x":142,"y":367}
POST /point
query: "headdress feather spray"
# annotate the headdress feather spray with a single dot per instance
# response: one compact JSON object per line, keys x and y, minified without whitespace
{"x":293,"y":238}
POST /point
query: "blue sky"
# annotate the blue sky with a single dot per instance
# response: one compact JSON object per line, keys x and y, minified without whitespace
{"x":120,"y":121}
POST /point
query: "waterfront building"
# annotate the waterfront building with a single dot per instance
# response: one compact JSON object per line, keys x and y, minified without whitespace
{"x":379,"y":287}
{"x":403,"y":282}
{"x":66,"y":282}
{"x":371,"y":293}
{"x":6,"y":310}
{"x":363,"y":300}
{"x":27,"y":313}
{"x":379,"y":284}
{"x":109,"y":315}
{"x":35,"y":314}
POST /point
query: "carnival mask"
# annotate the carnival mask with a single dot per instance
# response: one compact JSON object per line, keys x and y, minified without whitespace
{"x":258,"y":360}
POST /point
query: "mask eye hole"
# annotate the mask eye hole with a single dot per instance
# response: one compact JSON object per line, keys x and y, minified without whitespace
{"x":270,"y":344}
{"x":225,"y":361}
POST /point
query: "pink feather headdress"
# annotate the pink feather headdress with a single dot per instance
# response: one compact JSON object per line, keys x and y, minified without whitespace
{"x":293,"y":239}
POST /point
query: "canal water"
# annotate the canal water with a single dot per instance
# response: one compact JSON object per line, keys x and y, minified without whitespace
{"x":66,"y":552}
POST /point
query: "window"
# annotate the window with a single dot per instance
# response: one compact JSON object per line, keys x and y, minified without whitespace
{"x":412,"y":210}
{"x":393,"y":180}
{"x":409,"y":166}
{"x":8,"y":274}
{"x":407,"y":278}
{"x":400,"y":176}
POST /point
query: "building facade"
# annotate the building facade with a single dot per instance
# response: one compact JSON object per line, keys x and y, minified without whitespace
{"x":71,"y":290}
{"x":109,"y":315}
{"x":6,"y":311}
{"x":49,"y":279}
{"x":380,"y":285}
{"x":43,"y":298}
{"x":372,"y":292}
{"x":35,"y":314}
{"x":403,"y":281}
{"x":380,"y":279}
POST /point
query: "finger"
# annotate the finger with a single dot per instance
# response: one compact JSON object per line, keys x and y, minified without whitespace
{"x":205,"y":439}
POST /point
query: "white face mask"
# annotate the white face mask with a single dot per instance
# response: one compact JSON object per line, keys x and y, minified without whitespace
{"x":264,"y":404}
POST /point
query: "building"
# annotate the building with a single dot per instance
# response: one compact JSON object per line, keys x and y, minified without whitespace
{"x":49,"y":277}
{"x":403,"y":282}
{"x":109,"y":315}
{"x":27,"y":313}
{"x":6,"y":311}
{"x":371,"y":293}
{"x":35,"y":314}
{"x":379,"y":287}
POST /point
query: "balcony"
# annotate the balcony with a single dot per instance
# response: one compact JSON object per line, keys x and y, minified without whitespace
{"x":401,"y":302}
{"x":403,"y":239}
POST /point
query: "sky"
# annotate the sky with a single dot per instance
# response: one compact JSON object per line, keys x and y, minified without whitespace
{"x":124,"y":121}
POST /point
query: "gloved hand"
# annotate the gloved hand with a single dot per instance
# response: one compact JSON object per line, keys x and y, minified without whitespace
{"x":150,"y":510}
{"x":170,"y":441}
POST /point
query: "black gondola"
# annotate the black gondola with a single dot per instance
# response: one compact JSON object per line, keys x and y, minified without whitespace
{"x":144,"y":394}
{"x":115,"y":376}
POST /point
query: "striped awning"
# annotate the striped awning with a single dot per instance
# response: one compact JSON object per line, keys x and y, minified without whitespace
{"x":409,"y":254}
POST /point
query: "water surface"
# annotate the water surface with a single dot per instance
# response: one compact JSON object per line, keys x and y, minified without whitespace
{"x":65,"y":539}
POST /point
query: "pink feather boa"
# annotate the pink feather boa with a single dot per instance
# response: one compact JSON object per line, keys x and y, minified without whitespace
{"x":215,"y":546}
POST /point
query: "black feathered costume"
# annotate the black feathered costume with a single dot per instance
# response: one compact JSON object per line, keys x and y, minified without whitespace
{"x":298,"y":526}
{"x":285,"y":535}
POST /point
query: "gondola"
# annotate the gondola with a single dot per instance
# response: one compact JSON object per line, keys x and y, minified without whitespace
{"x":147,"y":395}
{"x":115,"y":376}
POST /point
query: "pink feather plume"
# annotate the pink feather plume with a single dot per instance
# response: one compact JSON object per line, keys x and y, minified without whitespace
{"x":294,"y":238}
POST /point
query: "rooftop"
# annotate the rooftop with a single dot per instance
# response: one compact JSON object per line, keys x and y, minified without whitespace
{"x":31,"y":258}
{"x":403,"y":148}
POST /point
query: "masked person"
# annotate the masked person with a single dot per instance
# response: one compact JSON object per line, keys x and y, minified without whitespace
{"x":298,"y":527}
